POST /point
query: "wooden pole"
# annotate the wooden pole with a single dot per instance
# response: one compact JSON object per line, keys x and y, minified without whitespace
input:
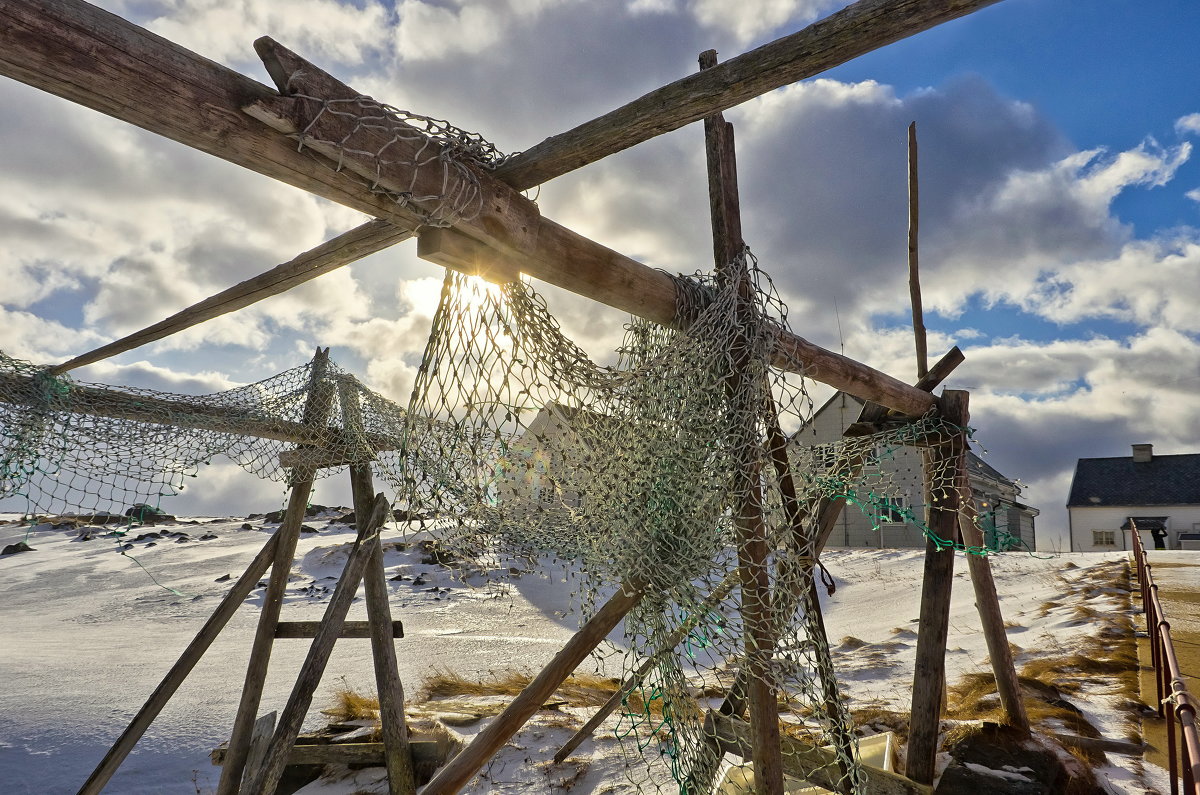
{"x":929,"y":673}
{"x":316,"y":410}
{"x":179,"y":671}
{"x":330,"y":255}
{"x":987,"y":602}
{"x":855,"y":30}
{"x":634,"y":679}
{"x":914,"y":276}
{"x":753,"y":550}
{"x":383,"y":647}
{"x":266,"y":780}
{"x":455,"y":775}
{"x":89,"y":56}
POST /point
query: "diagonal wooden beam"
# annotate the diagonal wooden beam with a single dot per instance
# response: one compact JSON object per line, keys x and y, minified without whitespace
{"x":330,"y":255}
{"x":855,"y":30}
{"x":89,"y":56}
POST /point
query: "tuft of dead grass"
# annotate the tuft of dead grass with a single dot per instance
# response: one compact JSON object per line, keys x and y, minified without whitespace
{"x":348,"y":704}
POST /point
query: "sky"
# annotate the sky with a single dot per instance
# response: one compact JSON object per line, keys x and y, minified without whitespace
{"x":1060,"y":205}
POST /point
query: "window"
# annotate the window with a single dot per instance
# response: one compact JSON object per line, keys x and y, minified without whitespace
{"x":891,"y":510}
{"x":1104,"y":538}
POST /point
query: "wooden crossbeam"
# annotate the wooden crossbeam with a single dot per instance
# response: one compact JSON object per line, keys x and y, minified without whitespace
{"x":855,"y":30}
{"x":350,"y":630}
{"x":99,"y":60}
{"x":330,"y":255}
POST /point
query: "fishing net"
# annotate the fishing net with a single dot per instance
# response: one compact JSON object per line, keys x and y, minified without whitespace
{"x":684,"y":472}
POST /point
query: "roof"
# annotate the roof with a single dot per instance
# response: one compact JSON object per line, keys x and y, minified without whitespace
{"x":1163,"y":480}
{"x":1146,"y":522}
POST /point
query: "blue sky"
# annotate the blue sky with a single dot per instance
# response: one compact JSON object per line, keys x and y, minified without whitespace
{"x":1060,"y":203}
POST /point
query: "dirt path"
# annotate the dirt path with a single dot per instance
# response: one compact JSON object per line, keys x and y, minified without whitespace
{"x":1178,"y":577}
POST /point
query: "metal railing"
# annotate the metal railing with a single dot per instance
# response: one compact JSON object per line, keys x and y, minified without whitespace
{"x":1183,"y":738}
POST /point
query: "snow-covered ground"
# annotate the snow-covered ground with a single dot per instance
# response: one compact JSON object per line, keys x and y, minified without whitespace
{"x":86,"y":634}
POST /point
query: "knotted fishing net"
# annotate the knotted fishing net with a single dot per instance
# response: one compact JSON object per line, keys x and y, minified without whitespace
{"x":683,"y":472}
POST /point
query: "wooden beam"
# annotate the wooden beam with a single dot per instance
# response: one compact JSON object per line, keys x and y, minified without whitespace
{"x":929,"y":671}
{"x":855,"y":30}
{"x":307,"y":630}
{"x":428,"y":752}
{"x":914,"y":275}
{"x":179,"y":671}
{"x":455,"y":775}
{"x":265,"y":780}
{"x":317,"y":405}
{"x":89,"y":56}
{"x":330,"y":255}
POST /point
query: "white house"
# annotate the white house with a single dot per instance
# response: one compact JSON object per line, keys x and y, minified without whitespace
{"x":1007,"y":522}
{"x":1152,"y":490}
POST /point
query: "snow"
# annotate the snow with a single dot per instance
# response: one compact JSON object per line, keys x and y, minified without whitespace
{"x":87,"y":634}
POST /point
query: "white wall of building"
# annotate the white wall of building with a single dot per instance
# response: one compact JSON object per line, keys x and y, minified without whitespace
{"x":1085,"y":521}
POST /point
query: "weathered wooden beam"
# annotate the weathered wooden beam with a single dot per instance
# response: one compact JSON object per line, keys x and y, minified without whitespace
{"x":855,"y":30}
{"x":175,"y":677}
{"x":89,"y":56}
{"x":330,"y":255}
{"x":429,"y":752}
{"x":459,"y":770}
{"x":358,"y":630}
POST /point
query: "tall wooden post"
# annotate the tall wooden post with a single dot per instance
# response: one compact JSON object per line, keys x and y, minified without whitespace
{"x":383,"y":646}
{"x":942,"y":466}
{"x":316,"y":412}
{"x":753,"y":551}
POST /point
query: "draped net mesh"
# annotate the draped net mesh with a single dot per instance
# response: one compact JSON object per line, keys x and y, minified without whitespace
{"x":659,"y":474}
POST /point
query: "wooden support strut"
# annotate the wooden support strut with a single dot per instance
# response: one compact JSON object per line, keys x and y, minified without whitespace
{"x":455,"y":775}
{"x":316,"y":410}
{"x":94,"y":58}
{"x":753,"y":551}
{"x":265,"y":780}
{"x":929,"y":670}
{"x":398,"y":759}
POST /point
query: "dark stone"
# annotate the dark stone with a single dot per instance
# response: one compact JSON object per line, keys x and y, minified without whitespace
{"x":182,"y":540}
{"x":254,"y":516}
{"x":151,"y":544}
{"x":224,"y":578}
{"x":209,"y":536}
{"x":147,"y":536}
{"x":306,"y":529}
{"x":247,"y":526}
{"x":274,"y":517}
{"x":346,"y":518}
{"x":147,"y":514}
{"x":313,"y":510}
{"x":13,"y":549}
{"x":1023,"y":765}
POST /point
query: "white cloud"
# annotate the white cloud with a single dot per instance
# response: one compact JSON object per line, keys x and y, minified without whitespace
{"x":749,"y":19}
{"x":1189,"y":124}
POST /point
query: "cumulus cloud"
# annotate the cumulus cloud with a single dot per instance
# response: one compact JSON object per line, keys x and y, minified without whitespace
{"x":1189,"y":124}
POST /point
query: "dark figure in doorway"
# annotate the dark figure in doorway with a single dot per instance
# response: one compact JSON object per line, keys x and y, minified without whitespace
{"x":1160,"y":537}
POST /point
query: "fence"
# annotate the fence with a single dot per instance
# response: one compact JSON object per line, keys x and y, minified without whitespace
{"x":1183,"y":738}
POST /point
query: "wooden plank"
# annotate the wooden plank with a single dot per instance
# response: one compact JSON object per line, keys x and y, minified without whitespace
{"x":369,"y":754}
{"x":456,"y":251}
{"x":313,"y":668}
{"x":807,"y":762}
{"x":352,"y":630}
{"x":264,"y":727}
{"x":330,"y":255}
{"x":316,"y":410}
{"x":89,"y":56}
{"x":175,"y":677}
{"x":459,"y":770}
{"x":929,"y":672}
{"x":634,"y":679}
{"x":855,"y":30}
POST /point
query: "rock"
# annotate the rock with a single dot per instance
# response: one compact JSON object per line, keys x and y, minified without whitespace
{"x":998,"y":760}
{"x":274,"y":517}
{"x":147,"y":514}
{"x":247,"y":526}
{"x":208,"y":536}
{"x":224,"y":578}
{"x":313,"y":510}
{"x":254,"y":516}
{"x":306,"y":529}
{"x":151,"y":544}
{"x":13,"y":549}
{"x":183,"y":539}
{"x":458,"y":718}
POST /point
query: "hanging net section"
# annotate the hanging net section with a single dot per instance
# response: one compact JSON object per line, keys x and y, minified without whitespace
{"x":70,"y":446}
{"x":655,"y":475}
